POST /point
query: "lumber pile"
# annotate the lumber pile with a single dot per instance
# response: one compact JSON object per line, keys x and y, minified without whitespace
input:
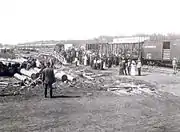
{"x":28,"y":77}
{"x":61,"y":75}
{"x":32,"y":73}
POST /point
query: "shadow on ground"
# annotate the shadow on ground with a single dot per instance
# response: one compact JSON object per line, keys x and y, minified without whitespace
{"x":66,"y":96}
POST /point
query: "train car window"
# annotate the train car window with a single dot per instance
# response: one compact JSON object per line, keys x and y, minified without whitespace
{"x":166,"y":45}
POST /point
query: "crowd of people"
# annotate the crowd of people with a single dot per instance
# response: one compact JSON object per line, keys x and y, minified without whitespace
{"x":127,"y":66}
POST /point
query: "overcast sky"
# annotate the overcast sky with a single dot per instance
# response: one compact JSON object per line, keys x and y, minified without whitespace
{"x":30,"y":20}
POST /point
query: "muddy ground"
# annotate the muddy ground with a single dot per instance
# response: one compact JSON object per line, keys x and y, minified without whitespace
{"x":98,"y":105}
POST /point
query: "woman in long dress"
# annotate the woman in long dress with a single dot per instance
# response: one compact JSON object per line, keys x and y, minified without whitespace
{"x":174,"y":63}
{"x":133,"y":68}
{"x":85,"y":60}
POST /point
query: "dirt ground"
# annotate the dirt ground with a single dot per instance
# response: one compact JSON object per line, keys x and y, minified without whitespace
{"x":89,"y":107}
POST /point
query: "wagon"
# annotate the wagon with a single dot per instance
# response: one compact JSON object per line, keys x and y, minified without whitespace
{"x":161,"y":52}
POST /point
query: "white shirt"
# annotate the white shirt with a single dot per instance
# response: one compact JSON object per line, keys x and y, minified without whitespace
{"x":76,"y":59}
{"x":98,"y":61}
{"x":139,"y":65}
{"x":95,"y":61}
{"x":174,"y":62}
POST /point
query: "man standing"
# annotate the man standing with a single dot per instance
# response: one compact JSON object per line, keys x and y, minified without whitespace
{"x":76,"y":61}
{"x":128,"y":66}
{"x":174,"y":63}
{"x":124,"y":66}
{"x":139,"y":65}
{"x":48,"y":78}
{"x":121,"y":72}
{"x":95,"y":63}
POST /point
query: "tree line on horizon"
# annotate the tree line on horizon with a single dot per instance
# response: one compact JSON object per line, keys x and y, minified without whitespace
{"x":108,"y":39}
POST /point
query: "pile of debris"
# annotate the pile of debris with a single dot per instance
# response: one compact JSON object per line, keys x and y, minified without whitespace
{"x":9,"y":86}
{"x":27,"y":77}
{"x":130,"y":87}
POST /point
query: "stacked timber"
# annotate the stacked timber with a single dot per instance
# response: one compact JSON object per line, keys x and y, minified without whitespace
{"x":29,"y":77}
{"x":32,"y":73}
{"x":19,"y":60}
{"x":61,"y":75}
{"x":21,"y":77}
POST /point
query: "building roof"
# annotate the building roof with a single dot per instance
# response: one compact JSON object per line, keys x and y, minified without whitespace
{"x":96,"y":41}
{"x":4,"y":48}
{"x":129,"y":40}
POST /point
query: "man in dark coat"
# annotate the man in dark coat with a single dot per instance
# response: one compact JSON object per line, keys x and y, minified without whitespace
{"x":124,"y":66}
{"x":48,"y":78}
{"x":121,"y":67}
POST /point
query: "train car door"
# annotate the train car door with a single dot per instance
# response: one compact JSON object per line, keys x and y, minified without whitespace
{"x":166,"y":50}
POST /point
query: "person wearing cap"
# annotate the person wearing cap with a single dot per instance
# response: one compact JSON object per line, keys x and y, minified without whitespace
{"x":174,"y":64}
{"x":139,"y":65}
{"x":48,"y":79}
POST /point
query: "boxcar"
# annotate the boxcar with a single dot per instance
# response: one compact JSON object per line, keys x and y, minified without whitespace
{"x":161,"y":52}
{"x":132,"y":50}
{"x":128,"y":46}
{"x":102,"y":48}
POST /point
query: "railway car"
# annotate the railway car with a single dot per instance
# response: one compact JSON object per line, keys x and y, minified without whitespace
{"x":161,"y":52}
{"x":132,"y":50}
{"x":128,"y":47}
{"x":102,"y":48}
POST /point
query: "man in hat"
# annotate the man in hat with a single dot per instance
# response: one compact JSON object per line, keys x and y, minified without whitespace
{"x":48,"y":79}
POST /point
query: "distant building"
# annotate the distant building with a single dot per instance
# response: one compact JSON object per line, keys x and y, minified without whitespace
{"x":4,"y":49}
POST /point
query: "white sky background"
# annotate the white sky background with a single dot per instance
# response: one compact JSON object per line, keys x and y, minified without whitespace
{"x":31,"y":20}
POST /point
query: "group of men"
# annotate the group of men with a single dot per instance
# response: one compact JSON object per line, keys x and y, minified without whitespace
{"x":128,"y":67}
